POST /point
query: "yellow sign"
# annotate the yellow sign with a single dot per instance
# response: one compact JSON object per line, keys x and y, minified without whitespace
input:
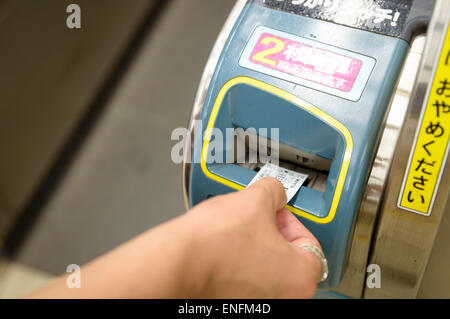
{"x":430,"y":150}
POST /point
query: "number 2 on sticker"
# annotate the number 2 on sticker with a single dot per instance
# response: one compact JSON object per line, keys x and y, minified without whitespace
{"x":262,"y":56}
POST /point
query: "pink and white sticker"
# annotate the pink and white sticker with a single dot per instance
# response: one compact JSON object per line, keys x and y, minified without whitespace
{"x":307,"y":62}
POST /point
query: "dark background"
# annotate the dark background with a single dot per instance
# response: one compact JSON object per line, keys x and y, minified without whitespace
{"x":86,"y":117}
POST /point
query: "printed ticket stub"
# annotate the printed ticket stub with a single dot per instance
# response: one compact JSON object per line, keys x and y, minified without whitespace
{"x":292,"y":181}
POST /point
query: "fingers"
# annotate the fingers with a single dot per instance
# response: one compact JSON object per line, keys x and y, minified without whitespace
{"x":307,"y":257}
{"x":297,"y":234}
{"x":267,"y":193}
{"x":264,"y":198}
{"x":292,"y":230}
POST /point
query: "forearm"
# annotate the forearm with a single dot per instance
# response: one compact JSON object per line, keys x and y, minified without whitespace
{"x":154,"y":265}
{"x":240,"y":245}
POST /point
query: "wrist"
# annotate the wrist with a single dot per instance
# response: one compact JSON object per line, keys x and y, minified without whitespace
{"x":193,"y":265}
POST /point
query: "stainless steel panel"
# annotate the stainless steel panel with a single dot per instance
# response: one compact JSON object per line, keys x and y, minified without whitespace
{"x":436,"y":279}
{"x":354,"y":278}
{"x":404,"y":240}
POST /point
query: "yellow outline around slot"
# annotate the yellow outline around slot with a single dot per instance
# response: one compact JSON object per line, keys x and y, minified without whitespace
{"x":300,"y":103}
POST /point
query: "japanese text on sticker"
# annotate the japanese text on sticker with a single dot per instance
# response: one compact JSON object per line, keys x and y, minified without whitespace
{"x":431,"y":147}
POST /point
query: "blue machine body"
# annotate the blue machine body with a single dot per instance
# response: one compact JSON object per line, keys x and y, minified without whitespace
{"x":342,"y":129}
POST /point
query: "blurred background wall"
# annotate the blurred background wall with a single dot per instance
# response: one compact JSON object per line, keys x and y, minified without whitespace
{"x":85,"y":120}
{"x":50,"y":77}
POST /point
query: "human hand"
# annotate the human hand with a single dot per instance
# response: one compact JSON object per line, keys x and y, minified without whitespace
{"x":247,"y":245}
{"x":241,"y":245}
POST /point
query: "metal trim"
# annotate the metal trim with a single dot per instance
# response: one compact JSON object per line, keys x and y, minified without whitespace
{"x":404,"y":241}
{"x":203,"y":89}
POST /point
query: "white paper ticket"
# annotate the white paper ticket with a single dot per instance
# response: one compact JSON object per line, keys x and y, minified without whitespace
{"x":292,"y":181}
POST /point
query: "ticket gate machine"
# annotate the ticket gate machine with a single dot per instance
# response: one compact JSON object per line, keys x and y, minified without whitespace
{"x":324,"y":74}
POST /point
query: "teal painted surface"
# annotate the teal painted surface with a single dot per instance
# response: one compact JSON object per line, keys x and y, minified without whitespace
{"x":245,"y":106}
{"x":362,"y":118}
{"x":329,"y":295}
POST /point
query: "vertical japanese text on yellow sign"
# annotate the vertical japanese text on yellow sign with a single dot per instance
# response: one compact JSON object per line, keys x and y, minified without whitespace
{"x":427,"y":161}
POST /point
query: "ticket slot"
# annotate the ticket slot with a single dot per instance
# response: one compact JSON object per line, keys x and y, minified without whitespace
{"x":307,"y":144}
{"x":246,"y":153}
